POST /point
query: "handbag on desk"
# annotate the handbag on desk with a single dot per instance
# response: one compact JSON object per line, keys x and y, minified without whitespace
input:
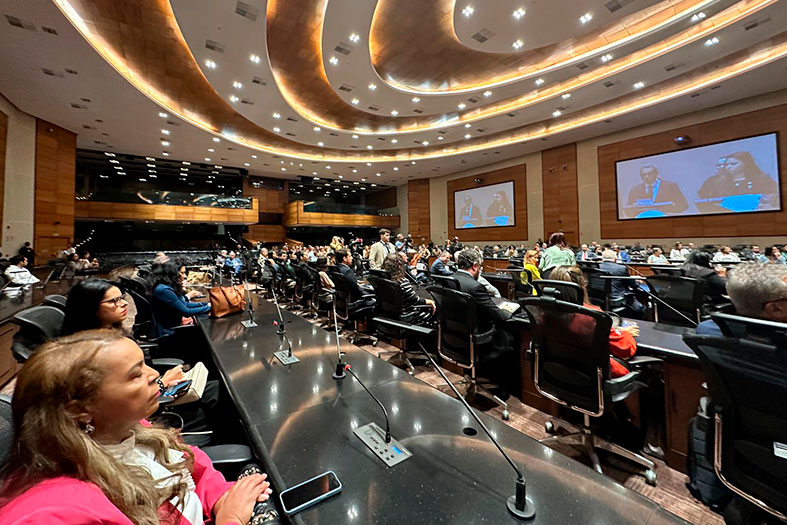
{"x":225,"y":300}
{"x":198,"y":375}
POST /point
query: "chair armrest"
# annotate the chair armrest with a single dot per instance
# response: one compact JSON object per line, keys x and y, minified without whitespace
{"x":619,"y":388}
{"x":483,"y":337}
{"x":225,"y":454}
{"x":165,"y":362}
{"x":422,"y":307}
{"x":642,"y":360}
{"x":148,"y":345}
{"x":413,"y":329}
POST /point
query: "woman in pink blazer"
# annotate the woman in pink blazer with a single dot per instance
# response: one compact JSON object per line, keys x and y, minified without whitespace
{"x":83,"y":454}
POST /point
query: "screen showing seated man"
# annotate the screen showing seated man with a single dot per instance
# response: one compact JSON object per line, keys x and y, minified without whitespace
{"x":484,"y":207}
{"x":737,"y":176}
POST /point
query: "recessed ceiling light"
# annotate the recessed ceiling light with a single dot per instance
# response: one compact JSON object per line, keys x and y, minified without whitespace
{"x":166,"y":154}
{"x":711,"y":42}
{"x":468,"y":136}
{"x":355,"y":171}
{"x":333,"y":60}
{"x":355,"y":136}
{"x":517,"y":44}
{"x":110,"y":154}
{"x":143,"y":180}
{"x":372,"y":87}
{"x":165,"y":131}
{"x":355,"y":101}
{"x":316,"y":128}
{"x":277,"y":116}
{"x":468,"y":11}
{"x":165,"y":143}
{"x":284,"y":169}
{"x":246,"y":164}
{"x":118,"y":168}
{"x":539,"y":81}
{"x":556,"y":113}
{"x":606,"y":58}
{"x":151,"y":159}
{"x":394,"y":112}
{"x":369,"y":147}
{"x":639,"y":85}
{"x":587,"y":17}
{"x":416,"y":100}
{"x":425,"y":143}
{"x":210,"y":64}
{"x":354,"y":37}
{"x":368,"y":163}
{"x":254,"y":58}
{"x":396,"y":169}
{"x":255,"y":156}
{"x":184,"y":169}
{"x":341,"y":176}
{"x":113,"y":161}
{"x":277,"y":129}
{"x":151,"y":171}
{"x":565,"y":96}
{"x":216,"y":139}
{"x":162,"y":114}
{"x":487,"y":93}
{"x":468,"y":125}
{"x":327,"y":167}
{"x":207,"y":159}
{"x":519,"y":13}
{"x":698,"y":16}
{"x":394,"y":141}
{"x":413,"y":162}
{"x":237,"y":85}
{"x":440,"y":138}
{"x":461,"y":105}
{"x":211,"y":150}
{"x":150,"y":165}
{"x":233,"y":98}
{"x":321,"y":144}
{"x":186,"y":163}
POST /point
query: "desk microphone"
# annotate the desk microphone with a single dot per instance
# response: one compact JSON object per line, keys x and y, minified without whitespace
{"x":284,"y":356}
{"x":349,"y":368}
{"x":249,"y":323}
{"x":518,"y":504}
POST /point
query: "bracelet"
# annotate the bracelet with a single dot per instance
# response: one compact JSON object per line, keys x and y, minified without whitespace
{"x":160,"y":383}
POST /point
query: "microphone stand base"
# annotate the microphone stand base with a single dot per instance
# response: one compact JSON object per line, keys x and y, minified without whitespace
{"x":339,"y":373}
{"x":248,"y":323}
{"x":285,"y":357}
{"x":528,"y":513}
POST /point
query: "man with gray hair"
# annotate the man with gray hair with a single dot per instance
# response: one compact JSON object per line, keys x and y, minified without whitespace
{"x":756,"y":290}
{"x":621,"y":289}
{"x":469,"y":263}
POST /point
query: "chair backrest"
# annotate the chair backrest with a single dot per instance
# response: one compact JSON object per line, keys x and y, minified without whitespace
{"x":58,"y":301}
{"x":137,"y":284}
{"x":598,"y":288}
{"x":382,"y":274}
{"x":343,"y":295}
{"x":760,"y":330}
{"x":747,"y":383}
{"x":682,"y":293}
{"x":145,"y":325}
{"x":667,"y":270}
{"x":458,"y":316}
{"x":562,"y":290}
{"x":37,"y":325}
{"x":518,"y":275}
{"x":6,"y":430}
{"x":571,"y":350}
{"x":446,"y":281}
{"x":390,"y":300}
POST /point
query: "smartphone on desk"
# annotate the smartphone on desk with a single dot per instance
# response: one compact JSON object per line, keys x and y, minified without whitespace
{"x":310,"y":492}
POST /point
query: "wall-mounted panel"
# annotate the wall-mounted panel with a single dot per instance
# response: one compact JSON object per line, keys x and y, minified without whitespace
{"x":418,"y":211}
{"x":561,"y":200}
{"x":163,"y":213}
{"x":295,"y":216}
{"x":517,"y":174}
{"x":733,"y":225}
{"x":55,"y":169}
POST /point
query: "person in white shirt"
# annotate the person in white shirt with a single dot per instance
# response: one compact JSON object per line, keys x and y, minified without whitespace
{"x":657,"y":257}
{"x":17,"y":272}
{"x":678,"y":253}
{"x":726,"y":255}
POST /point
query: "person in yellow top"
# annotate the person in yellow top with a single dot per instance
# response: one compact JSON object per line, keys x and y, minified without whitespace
{"x":530,"y":263}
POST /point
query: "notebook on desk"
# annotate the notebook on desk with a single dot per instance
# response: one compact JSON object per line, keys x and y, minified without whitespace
{"x":508,"y":306}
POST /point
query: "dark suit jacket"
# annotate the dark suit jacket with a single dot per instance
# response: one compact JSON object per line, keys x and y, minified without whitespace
{"x":488,"y":312}
{"x":439,"y":268}
{"x":668,"y":192}
{"x":617,"y":288}
{"x":348,"y":272}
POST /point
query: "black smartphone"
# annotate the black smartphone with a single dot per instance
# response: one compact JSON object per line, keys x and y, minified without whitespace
{"x":178,"y":390}
{"x":310,"y":492}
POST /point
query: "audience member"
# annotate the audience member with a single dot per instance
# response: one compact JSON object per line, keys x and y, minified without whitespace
{"x":678,"y":253}
{"x":558,"y":254}
{"x":381,"y":249}
{"x":321,"y":265}
{"x":344,"y":266}
{"x":725,"y":254}
{"x":657,"y":257}
{"x":86,"y":263}
{"x":233,"y":264}
{"x":171,"y":303}
{"x":774,"y":255}
{"x":530,"y":262}
{"x":622,"y":345}
{"x":27,"y":251}
{"x":17,"y":272}
{"x":698,"y":266}
{"x":584,"y":254}
{"x":440,"y":265}
{"x":619,"y":288}
{"x":82,"y":453}
{"x":469,"y":264}
{"x":396,"y":267}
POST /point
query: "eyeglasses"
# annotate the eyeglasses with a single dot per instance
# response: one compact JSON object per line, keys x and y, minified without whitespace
{"x":117,"y":301}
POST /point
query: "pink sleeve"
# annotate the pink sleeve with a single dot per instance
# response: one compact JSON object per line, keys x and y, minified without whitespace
{"x":210,"y":483}
{"x":53,"y":516}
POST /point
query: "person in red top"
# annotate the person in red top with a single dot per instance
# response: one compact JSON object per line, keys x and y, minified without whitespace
{"x":83,"y":455}
{"x":621,"y":339}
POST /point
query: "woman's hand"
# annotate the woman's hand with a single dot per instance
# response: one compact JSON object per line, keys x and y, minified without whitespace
{"x":431,"y":303}
{"x":173,"y":376}
{"x":632,"y":329}
{"x":237,"y":504}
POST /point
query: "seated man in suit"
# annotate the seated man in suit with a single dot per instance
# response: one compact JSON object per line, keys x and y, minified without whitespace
{"x":619,"y":287}
{"x":655,"y":193}
{"x":584,"y":254}
{"x":440,"y":265}
{"x":344,"y":265}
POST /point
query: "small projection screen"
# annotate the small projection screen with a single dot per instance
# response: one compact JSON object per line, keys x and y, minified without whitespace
{"x":485,"y":207}
{"x":737,"y":176}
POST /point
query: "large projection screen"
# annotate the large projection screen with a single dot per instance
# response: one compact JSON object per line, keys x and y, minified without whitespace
{"x":485,"y":207}
{"x":737,"y":176}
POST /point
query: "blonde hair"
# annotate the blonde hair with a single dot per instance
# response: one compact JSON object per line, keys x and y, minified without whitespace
{"x":531,"y":257}
{"x":49,"y":443}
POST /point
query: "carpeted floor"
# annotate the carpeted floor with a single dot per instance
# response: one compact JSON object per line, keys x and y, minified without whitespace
{"x":670,"y":493}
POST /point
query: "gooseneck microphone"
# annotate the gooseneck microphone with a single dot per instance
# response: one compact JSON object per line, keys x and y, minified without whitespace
{"x":248,"y":323}
{"x":385,"y":412}
{"x":284,"y":356}
{"x":656,"y":298}
{"x":339,"y":372}
{"x":518,"y":504}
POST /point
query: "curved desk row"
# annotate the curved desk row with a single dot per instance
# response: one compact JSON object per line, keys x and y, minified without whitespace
{"x":300,"y":421}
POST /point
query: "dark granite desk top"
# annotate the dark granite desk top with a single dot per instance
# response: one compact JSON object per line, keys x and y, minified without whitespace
{"x":663,"y":340}
{"x":301,"y":421}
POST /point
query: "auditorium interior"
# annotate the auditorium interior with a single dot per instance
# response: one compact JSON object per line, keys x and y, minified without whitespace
{"x":534,"y":272}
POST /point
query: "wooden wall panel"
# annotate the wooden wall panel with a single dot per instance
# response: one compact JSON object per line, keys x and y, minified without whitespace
{"x":265,"y":233}
{"x":164,"y":213}
{"x":561,"y":197}
{"x":271,"y":200}
{"x":382,"y":199}
{"x":732,"y":225}
{"x":3,"y":138}
{"x":55,"y":169}
{"x":295,"y":216}
{"x":418,"y":211}
{"x":518,"y":174}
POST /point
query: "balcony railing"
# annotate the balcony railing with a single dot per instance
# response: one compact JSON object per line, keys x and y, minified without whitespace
{"x":170,"y":198}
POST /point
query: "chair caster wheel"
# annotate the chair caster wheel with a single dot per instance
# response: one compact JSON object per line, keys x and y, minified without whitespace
{"x":650,"y":477}
{"x":375,"y":343}
{"x":549,"y":427}
{"x":506,"y":415}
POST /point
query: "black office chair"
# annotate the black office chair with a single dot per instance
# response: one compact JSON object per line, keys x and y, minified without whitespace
{"x":58,"y":301}
{"x":350,"y":309}
{"x":758,"y":330}
{"x":378,"y":272}
{"x":667,"y":270}
{"x":145,"y":325}
{"x":562,"y":290}
{"x":570,"y":345}
{"x":458,"y":339}
{"x":446,"y":281}
{"x":37,"y":325}
{"x":600,"y":291}
{"x":389,"y":305}
{"x":304,"y":284}
{"x":521,"y":289}
{"x":684,"y":294}
{"x":747,"y":383}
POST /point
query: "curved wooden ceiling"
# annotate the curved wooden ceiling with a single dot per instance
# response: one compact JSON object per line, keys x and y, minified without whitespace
{"x":142,"y":41}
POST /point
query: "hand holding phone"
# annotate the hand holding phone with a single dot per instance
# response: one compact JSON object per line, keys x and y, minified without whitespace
{"x":178,"y":390}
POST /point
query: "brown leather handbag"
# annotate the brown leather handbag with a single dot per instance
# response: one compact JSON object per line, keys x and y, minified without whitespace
{"x":225,"y":300}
